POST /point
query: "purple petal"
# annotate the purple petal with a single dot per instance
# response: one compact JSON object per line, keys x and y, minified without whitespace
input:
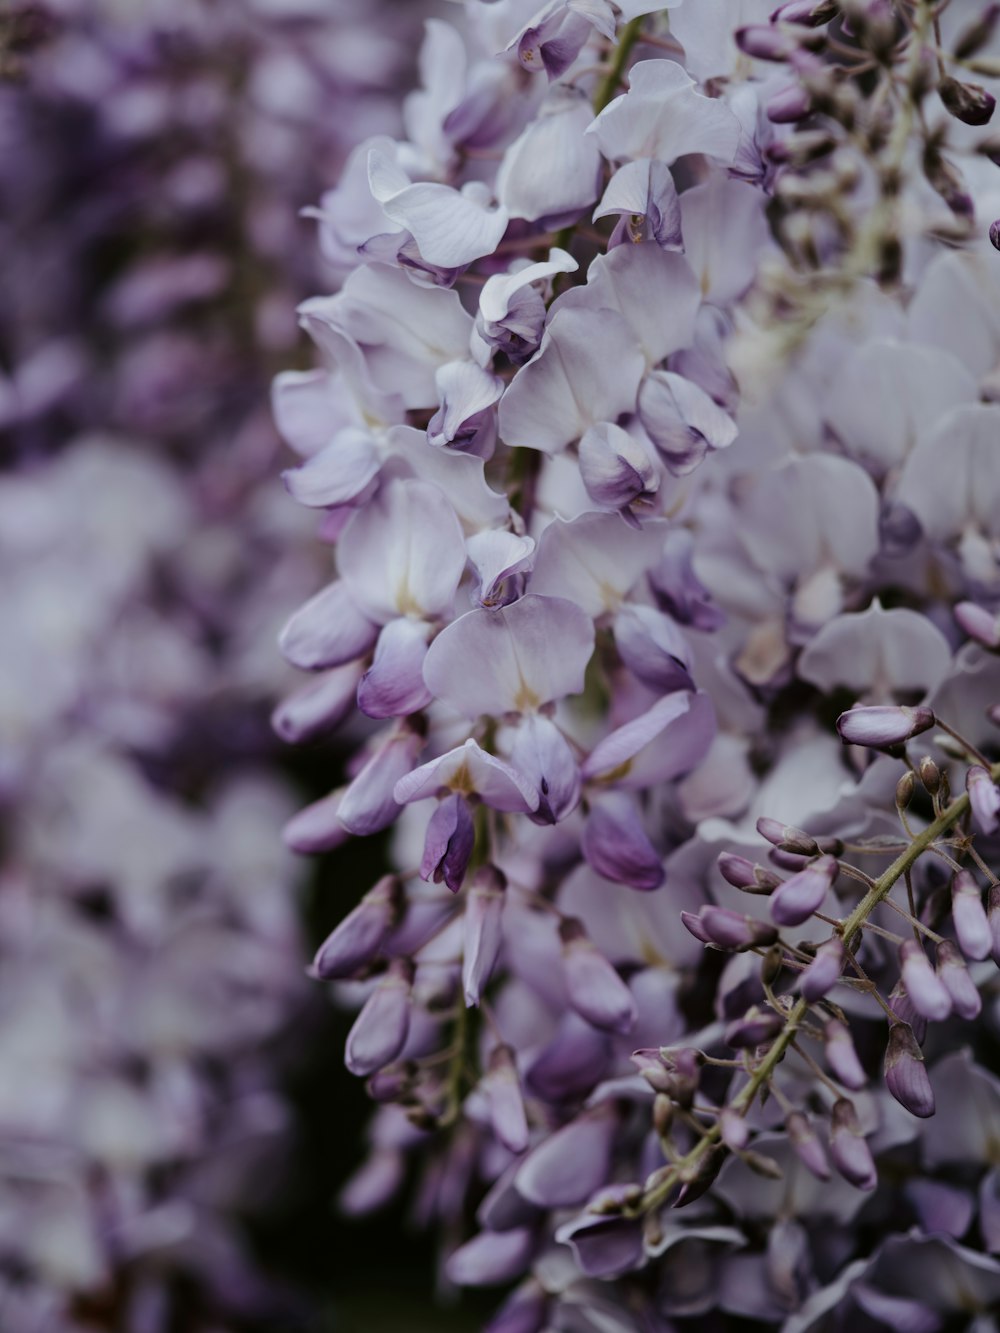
{"x":617,"y":846}
{"x":490,"y":1258}
{"x":482,"y":931}
{"x":513,"y":659}
{"x":339,"y":473}
{"x":448,"y":843}
{"x":380,"y":1030}
{"x":567,"y":1167}
{"x":328,"y":631}
{"x":470,"y":769}
{"x":393,"y":686}
{"x":541,"y":754}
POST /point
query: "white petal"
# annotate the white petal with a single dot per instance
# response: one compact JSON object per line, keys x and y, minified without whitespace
{"x":663,"y":116}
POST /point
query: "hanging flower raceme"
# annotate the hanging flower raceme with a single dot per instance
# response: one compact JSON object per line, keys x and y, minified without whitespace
{"x":637,"y":470}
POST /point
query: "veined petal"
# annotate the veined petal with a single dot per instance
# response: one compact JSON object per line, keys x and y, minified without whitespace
{"x":404,"y":553}
{"x":513,"y":659}
{"x":571,"y":382}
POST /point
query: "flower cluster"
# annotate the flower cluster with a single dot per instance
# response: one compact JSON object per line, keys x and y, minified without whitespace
{"x":656,"y":428}
{"x":150,"y":949}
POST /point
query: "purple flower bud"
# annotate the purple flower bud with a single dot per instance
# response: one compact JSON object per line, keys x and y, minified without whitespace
{"x":851,"y":1155}
{"x":483,"y":931}
{"x":924,"y":987}
{"x":902,"y":1006}
{"x":968,"y":102}
{"x":824,"y":970}
{"x":319,"y":707}
{"x":905,"y":1075}
{"x":883,"y":725}
{"x":795,"y":900}
{"x":995,"y":234}
{"x":972,"y":39}
{"x":763,"y":41}
{"x":503,"y":1090}
{"x":596,"y":991}
{"x":355,"y":942}
{"x":971,"y":922}
{"x":570,"y":1165}
{"x":734,"y":1129}
{"x":978,"y":623}
{"x":955,"y":978}
{"x":756,"y":1027}
{"x":381,"y":1028}
{"x":811,"y":13}
{"x":652,"y":1068}
{"x":789,"y":105}
{"x":806,"y":1145}
{"x":720,"y":928}
{"x":682,"y":1066}
{"x":984,"y":798}
{"x":737,"y":871}
{"x":842,"y":1057}
{"x":448,"y":844}
{"x":787,"y":837}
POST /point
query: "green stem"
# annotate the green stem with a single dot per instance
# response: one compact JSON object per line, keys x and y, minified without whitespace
{"x":687,"y":1167}
{"x":608,"y":87}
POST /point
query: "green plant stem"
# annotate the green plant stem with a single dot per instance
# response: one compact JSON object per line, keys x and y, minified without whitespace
{"x":687,"y":1167}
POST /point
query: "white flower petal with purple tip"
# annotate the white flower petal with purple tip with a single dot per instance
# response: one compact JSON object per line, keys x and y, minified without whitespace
{"x":497,"y":556}
{"x":513,"y":659}
{"x":682,"y":420}
{"x":470,"y":769}
{"x":617,"y":469}
{"x":393,"y":686}
{"x":512,"y":310}
{"x":644,"y":196}
{"x":540,"y":752}
{"x":467,"y":392}
{"x":653,"y":648}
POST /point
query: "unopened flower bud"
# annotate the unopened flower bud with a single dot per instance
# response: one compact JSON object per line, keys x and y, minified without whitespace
{"x":905,"y":1010}
{"x":972,"y":926}
{"x":737,"y":871}
{"x":763,"y":41}
{"x":824,"y":971}
{"x":381,"y":1028}
{"x":771,"y":964}
{"x":905,"y":1074}
{"x":787,"y":837}
{"x":503,"y":1092}
{"x":930,"y":775}
{"x":720,"y":928}
{"x":978,"y":623}
{"x":701,"y":1176}
{"x":789,"y":105}
{"x":851,"y":1155}
{"x":973,"y":38}
{"x":794,"y":901}
{"x":756,"y":1027}
{"x":842,"y":1057}
{"x":663,"y":1114}
{"x":806,"y":1144}
{"x":595,"y":989}
{"x":984,"y":798}
{"x":995,"y":234}
{"x":967,"y":102}
{"x":883,"y":725}
{"x":682,"y":1066}
{"x":482,"y":931}
{"x":923,"y":986}
{"x":762,"y":1165}
{"x":954,"y":975}
{"x":734,"y":1130}
{"x":357,"y":939}
{"x":905,"y":788}
{"x":810,"y":13}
